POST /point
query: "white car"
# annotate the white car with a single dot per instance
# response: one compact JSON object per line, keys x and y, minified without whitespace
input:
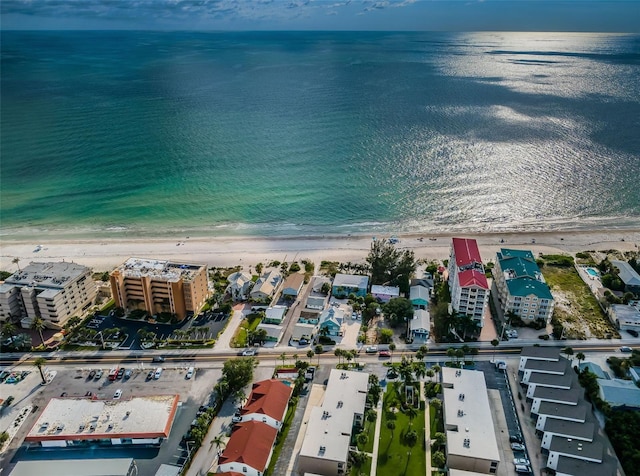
{"x":517,"y":447}
{"x":522,"y":461}
{"x":190,"y":372}
{"x":157,"y":373}
{"x":248,"y":352}
{"x":118,"y":394}
{"x":236,"y":419}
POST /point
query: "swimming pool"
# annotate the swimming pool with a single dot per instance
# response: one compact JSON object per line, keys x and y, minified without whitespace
{"x":592,"y":272}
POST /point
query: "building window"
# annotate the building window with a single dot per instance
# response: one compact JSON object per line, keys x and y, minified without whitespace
{"x":244,"y":469}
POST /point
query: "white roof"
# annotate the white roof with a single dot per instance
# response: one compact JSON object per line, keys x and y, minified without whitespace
{"x":627,"y":274}
{"x":272,"y":330}
{"x":74,"y":467}
{"x":351,"y":281}
{"x":329,"y":427}
{"x":73,"y":418}
{"x":276,"y":313}
{"x":266,"y":283}
{"x":239,"y":278}
{"x":421,"y":320}
{"x":386,"y":290}
{"x":303,"y":330}
{"x":418,"y":292}
{"x":475,"y":423}
{"x":170,"y":271}
{"x":53,"y":275}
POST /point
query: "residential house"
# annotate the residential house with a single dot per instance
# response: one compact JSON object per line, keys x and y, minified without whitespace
{"x":249,"y":449}
{"x":346,"y":284}
{"x":268,"y":402}
{"x":419,"y":297}
{"x":239,"y":285}
{"x":559,"y":411}
{"x":635,"y":374}
{"x":538,"y":353}
{"x":266,"y":286}
{"x":620,"y":393}
{"x":330,"y":322}
{"x":595,"y":369}
{"x":293,"y":285}
{"x":628,"y":276}
{"x":53,"y":291}
{"x":467,"y":281}
{"x":571,"y":396}
{"x":578,"y":467}
{"x":522,"y":289}
{"x":420,"y":325}
{"x":303,"y":331}
{"x":543,"y":367}
{"x":316,"y":303}
{"x":274,"y":332}
{"x":584,"y":431}
{"x":592,"y":451}
{"x":275,"y":315}
{"x":385,"y":293}
{"x":325,"y":448}
{"x":624,"y":317}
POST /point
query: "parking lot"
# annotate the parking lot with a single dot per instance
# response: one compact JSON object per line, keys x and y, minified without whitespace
{"x":73,"y":383}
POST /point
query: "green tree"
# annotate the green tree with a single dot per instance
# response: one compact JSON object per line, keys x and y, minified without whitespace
{"x":318,"y":350}
{"x":398,"y":311}
{"x":568,"y":351}
{"x":283,"y":357}
{"x":392,"y":347}
{"x":16,"y":261}
{"x":38,"y":325}
{"x":451,"y":353}
{"x":391,"y":425}
{"x":39,"y":363}
{"x":495,"y":343}
{"x":218,"y":441}
{"x":390,"y":266}
{"x":438,"y":459}
{"x":9,"y":329}
{"x":339,"y":353}
{"x":238,"y":372}
{"x":441,"y":438}
{"x":385,"y":336}
{"x":430,"y":374}
{"x":259,"y":268}
{"x":310,"y":355}
{"x":580,"y":356}
{"x":371,"y":415}
{"x":326,"y":288}
{"x":362,"y":439}
{"x":411,"y":412}
{"x":411,"y":438}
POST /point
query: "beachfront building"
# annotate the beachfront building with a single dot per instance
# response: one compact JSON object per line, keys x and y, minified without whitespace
{"x":467,"y":281}
{"x":268,"y":402}
{"x":325,"y":448}
{"x":345,"y":284}
{"x":293,"y":285}
{"x":330,"y":322}
{"x":624,"y":317}
{"x":628,"y":276}
{"x":70,"y":422}
{"x":239,"y":286}
{"x":468,"y":422}
{"x":522,"y":290}
{"x":249,"y":449}
{"x":384,"y":293}
{"x":158,"y":286}
{"x":53,"y":291}
{"x":419,"y":297}
{"x":266,"y":286}
{"x":275,"y":315}
{"x":77,"y":467}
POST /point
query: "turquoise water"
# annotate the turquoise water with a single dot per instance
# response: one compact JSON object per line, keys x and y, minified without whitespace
{"x":592,"y":272}
{"x":145,"y":133}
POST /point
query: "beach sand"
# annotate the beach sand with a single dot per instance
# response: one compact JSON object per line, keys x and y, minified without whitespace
{"x":104,"y":255}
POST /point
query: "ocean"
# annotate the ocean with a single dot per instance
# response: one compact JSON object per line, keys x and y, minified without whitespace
{"x":109,"y":133}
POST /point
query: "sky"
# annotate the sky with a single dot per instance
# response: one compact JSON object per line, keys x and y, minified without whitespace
{"x":390,"y":15}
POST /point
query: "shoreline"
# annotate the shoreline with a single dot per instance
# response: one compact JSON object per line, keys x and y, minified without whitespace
{"x":104,"y":254}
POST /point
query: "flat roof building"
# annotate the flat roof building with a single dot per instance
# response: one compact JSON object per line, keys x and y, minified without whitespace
{"x":345,"y":284}
{"x":77,"y":467}
{"x":584,"y":431}
{"x":158,"y":286}
{"x":139,"y":420}
{"x":55,"y":291}
{"x":325,"y":448}
{"x":624,"y":317}
{"x":592,"y":451}
{"x":538,"y":353}
{"x":471,"y":438}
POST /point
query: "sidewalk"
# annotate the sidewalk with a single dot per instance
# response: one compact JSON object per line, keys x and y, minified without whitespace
{"x":376,"y":435}
{"x":223,"y":344}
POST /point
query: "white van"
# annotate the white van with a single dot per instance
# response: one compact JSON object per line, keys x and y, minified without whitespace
{"x":190,"y":372}
{"x":157,"y":374}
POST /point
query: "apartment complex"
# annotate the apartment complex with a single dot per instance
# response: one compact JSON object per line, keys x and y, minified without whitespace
{"x":53,"y":291}
{"x":471,"y":437}
{"x":522,"y":289}
{"x":160,"y":286}
{"x":467,"y":281}
{"x":325,"y":449}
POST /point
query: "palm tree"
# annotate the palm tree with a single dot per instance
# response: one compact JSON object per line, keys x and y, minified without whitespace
{"x":411,"y":412}
{"x":391,"y":425}
{"x":283,"y":356}
{"x":362,"y":438}
{"x":218,"y":441}
{"x":430,"y":374}
{"x":38,"y":324}
{"x":318,"y":350}
{"x":419,"y":369}
{"x":295,"y":358}
{"x":310,"y":355}
{"x":338,"y":353}
{"x":16,"y":261}
{"x":568,"y":351}
{"x":474,"y":351}
{"x":495,"y":343}
{"x":580,"y":356}
{"x":392,"y":347}
{"x":451,"y":353}
{"x":9,"y":329}
{"x":39,"y":362}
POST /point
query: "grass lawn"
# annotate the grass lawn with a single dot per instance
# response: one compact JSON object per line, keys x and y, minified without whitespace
{"x":282,"y":436}
{"x":395,"y":457}
{"x":370,"y":430}
{"x":240,"y":337}
{"x":582,"y":317}
{"x":435,"y":418}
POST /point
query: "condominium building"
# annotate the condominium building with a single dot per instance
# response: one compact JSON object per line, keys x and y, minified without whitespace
{"x":522,"y":289}
{"x":160,"y":286}
{"x":467,"y":282}
{"x":53,"y":291}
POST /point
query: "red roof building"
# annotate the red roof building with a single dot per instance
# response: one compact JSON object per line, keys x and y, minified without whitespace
{"x":268,"y":402}
{"x":473,"y":277}
{"x":248,"y":451}
{"x":467,"y":281}
{"x":465,"y":251}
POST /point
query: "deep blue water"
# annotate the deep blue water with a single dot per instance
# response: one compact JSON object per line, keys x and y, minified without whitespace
{"x":300,"y":133}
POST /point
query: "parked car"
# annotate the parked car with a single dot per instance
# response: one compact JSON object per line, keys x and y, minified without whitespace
{"x":99,"y":374}
{"x":626,"y":349}
{"x":92,"y":374}
{"x":118,"y":394}
{"x":157,"y":373}
{"x":372,"y":349}
{"x":248,"y":352}
{"x":517,"y":447}
{"x":158,"y":358}
{"x":634,"y":333}
{"x":523,"y":469}
{"x":150,"y":374}
{"x":303,"y":342}
{"x":523,"y":461}
{"x":515,"y":438}
{"x":127,"y":374}
{"x":190,"y":372}
{"x":384,"y":353}
{"x":120,"y":373}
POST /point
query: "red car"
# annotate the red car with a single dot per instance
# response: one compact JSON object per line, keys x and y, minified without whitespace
{"x":384,"y":353}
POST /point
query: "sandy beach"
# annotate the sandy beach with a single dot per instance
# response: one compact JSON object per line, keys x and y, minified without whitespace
{"x":104,"y":255}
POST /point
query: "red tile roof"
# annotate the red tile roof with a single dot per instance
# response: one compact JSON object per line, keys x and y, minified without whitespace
{"x":466,"y":251}
{"x":250,"y":444}
{"x":268,"y":397}
{"x":473,"y":277}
